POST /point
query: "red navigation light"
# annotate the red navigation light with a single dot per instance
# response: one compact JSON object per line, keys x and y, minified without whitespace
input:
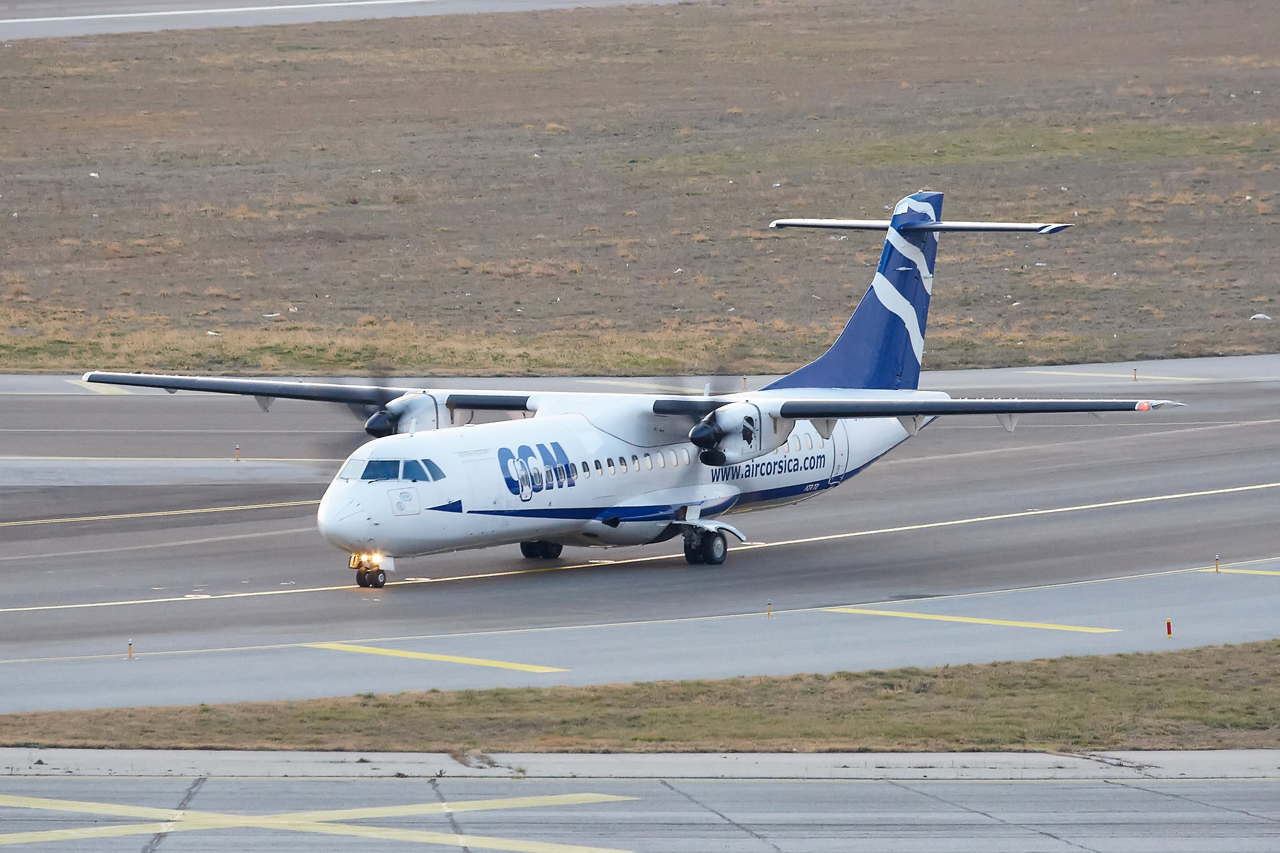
{"x":1144,"y":406}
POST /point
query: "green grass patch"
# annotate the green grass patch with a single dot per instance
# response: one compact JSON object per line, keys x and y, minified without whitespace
{"x":1223,"y":697}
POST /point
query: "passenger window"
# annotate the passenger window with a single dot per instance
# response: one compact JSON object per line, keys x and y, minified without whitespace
{"x":808,"y":442}
{"x":381,"y":469}
{"x":820,"y":443}
{"x":413,"y":471}
{"x":599,"y":470}
{"x":352,"y":469}
{"x":537,"y":478}
{"x":684,"y":451}
{"x":675,"y":460}
{"x":561,"y":474}
{"x":609,"y":462}
{"x":573,"y":470}
{"x":551,"y":477}
{"x":795,"y":444}
{"x":662,"y":460}
{"x":433,"y":469}
{"x":635,"y":463}
{"x":622,"y":464}
{"x":648,"y":462}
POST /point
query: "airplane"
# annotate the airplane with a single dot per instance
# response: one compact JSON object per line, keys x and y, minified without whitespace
{"x":613,"y":469}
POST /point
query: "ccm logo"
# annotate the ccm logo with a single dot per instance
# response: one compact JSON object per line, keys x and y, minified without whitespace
{"x":526,"y":471}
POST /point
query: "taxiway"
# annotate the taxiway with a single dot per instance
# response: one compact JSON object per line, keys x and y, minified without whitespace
{"x":966,"y":544}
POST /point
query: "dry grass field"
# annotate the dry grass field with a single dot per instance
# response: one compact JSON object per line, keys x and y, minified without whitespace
{"x":1224,"y":697}
{"x":587,"y":191}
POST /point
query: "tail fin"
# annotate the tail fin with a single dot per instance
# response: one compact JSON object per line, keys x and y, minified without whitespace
{"x":883,"y":342}
{"x":882,"y":345}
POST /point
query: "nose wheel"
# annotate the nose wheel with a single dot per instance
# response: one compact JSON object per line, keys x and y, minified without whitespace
{"x":367,"y":575}
{"x":375,"y":578}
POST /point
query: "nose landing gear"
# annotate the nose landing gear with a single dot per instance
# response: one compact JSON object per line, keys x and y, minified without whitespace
{"x":368,"y":572}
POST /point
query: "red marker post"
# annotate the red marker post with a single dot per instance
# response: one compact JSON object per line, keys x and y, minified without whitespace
{"x":1168,"y":627}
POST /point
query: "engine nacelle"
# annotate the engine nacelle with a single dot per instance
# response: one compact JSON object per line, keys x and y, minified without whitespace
{"x":407,"y":413}
{"x":738,"y":432}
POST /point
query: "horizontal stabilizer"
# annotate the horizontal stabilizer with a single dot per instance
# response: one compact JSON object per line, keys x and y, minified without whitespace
{"x":883,"y":225}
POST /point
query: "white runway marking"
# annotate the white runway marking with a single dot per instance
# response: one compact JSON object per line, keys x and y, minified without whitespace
{"x":855,"y":534}
{"x":179,"y":544}
{"x":114,"y":16}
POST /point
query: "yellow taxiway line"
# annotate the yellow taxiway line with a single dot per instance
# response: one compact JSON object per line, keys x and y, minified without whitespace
{"x":398,"y":653}
{"x":99,"y":388}
{"x":322,"y":822}
{"x":156,"y":513}
{"x":857,"y":534}
{"x":971,"y":620}
{"x":1239,"y":572}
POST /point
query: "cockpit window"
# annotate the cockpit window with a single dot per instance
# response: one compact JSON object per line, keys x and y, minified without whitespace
{"x":433,"y":469}
{"x":381,"y":469}
{"x":413,"y":470}
{"x":351,"y":469}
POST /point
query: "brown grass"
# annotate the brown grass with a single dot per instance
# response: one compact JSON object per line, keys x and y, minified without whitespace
{"x":518,"y":180}
{"x":1224,"y":697}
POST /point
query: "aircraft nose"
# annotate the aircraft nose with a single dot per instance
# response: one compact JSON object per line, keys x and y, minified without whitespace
{"x":344,"y":522}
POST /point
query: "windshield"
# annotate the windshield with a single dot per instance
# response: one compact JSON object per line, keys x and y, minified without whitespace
{"x":381,"y":469}
{"x":351,"y":469}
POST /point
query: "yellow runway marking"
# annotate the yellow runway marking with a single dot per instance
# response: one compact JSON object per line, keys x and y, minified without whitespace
{"x":589,"y":626}
{"x":970,"y":620}
{"x":397,"y":653}
{"x":1240,"y":572}
{"x":156,"y":514}
{"x":109,"y":390}
{"x":322,"y":822}
{"x":1129,"y":376}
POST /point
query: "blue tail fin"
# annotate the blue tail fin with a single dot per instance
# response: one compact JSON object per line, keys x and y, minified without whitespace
{"x":883,"y":342}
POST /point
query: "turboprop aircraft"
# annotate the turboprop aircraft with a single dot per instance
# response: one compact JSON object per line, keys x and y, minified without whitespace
{"x":607,"y":469}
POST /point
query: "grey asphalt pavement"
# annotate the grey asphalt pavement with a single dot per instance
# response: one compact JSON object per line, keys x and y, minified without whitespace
{"x":1070,"y":536}
{"x":22,"y":19}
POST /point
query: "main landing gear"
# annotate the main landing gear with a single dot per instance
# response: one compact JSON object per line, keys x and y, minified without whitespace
{"x":705,"y":546}
{"x":541,"y":550}
{"x":368,"y":572}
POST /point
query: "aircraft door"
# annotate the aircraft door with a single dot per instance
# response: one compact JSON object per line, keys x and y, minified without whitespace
{"x":487,"y":493}
{"x":839,"y":445}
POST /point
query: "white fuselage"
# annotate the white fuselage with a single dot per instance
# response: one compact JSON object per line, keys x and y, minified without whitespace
{"x":597,"y":475}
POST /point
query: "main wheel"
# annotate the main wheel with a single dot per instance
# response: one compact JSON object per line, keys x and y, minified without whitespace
{"x":693,"y":550}
{"x":362,"y":578}
{"x":714,"y":548}
{"x":551,"y":550}
{"x":378,"y":578}
{"x":531,"y":550}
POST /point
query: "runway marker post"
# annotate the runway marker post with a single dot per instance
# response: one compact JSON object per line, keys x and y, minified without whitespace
{"x":1135,"y":374}
{"x":131,"y":650}
{"x":768,"y":609}
{"x":1168,"y":627}
{"x":237,"y":453}
{"x":1215,"y":564}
